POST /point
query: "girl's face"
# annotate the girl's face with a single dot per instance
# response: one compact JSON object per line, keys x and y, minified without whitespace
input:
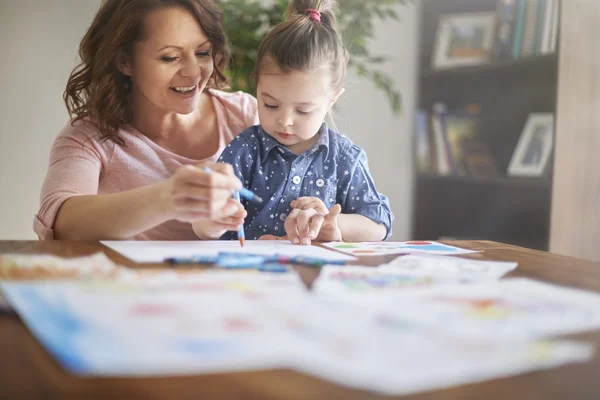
{"x":170,"y":68}
{"x":292,"y":105}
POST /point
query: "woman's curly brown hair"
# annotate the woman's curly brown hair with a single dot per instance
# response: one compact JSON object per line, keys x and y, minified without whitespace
{"x":97,"y":91}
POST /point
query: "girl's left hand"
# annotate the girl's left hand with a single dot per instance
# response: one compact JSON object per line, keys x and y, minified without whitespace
{"x":303,"y":226}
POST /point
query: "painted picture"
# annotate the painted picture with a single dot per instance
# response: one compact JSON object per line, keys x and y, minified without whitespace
{"x":463,"y":39}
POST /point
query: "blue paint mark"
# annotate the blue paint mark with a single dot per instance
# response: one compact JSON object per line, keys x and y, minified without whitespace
{"x":207,"y":347}
{"x":54,"y":324}
{"x":429,"y":247}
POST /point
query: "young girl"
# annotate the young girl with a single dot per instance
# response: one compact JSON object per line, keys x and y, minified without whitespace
{"x":315,"y":182}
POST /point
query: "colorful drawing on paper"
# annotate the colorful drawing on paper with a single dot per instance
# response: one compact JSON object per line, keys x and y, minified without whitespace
{"x":362,"y":281}
{"x":383,"y":248}
{"x":332,"y":341}
{"x":468,"y":269}
{"x":513,"y":308}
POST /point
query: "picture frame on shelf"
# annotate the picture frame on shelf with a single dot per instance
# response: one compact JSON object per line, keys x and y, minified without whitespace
{"x":464,"y":39}
{"x":535,"y":146}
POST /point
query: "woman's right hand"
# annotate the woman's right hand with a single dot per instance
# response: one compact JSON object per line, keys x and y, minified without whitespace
{"x":192,"y":193}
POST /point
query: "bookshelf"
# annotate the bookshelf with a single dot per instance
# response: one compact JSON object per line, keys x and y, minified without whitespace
{"x":504,"y":208}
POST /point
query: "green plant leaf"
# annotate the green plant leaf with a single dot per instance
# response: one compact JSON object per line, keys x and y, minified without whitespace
{"x":247,"y":21}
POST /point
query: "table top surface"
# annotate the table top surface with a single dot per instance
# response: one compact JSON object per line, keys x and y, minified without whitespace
{"x":29,"y":371}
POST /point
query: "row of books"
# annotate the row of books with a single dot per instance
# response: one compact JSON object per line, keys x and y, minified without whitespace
{"x":447,"y":143}
{"x":526,"y":28}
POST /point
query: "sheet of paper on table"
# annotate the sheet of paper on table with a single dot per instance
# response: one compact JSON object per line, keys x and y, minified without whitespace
{"x":463,"y":268}
{"x":384,"y":248}
{"x":510,"y":308}
{"x":158,"y":251}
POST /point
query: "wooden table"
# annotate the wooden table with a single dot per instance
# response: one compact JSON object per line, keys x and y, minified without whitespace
{"x":28,"y":371}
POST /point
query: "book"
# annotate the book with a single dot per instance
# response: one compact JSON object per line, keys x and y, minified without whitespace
{"x":531,"y":13}
{"x":547,"y":27}
{"x":555,"y":26}
{"x":459,"y":128}
{"x":539,"y":26}
{"x":423,"y":150}
{"x":443,"y":162}
{"x":519,"y":27}
{"x":478,"y":159}
{"x":507,"y":10}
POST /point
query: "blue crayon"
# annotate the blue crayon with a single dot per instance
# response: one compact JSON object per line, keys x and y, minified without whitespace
{"x":267,"y":267}
{"x":315,"y":262}
{"x":241,"y":233}
{"x":240,"y":261}
{"x":249,"y":195}
{"x":199,"y":259}
{"x":273,"y":267}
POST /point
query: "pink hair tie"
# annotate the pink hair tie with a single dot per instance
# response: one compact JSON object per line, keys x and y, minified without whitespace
{"x":315,"y":15}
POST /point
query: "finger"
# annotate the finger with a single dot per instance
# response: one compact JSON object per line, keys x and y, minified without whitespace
{"x":305,"y":203}
{"x":334,"y":212}
{"x":215,"y":179}
{"x":191,"y":191}
{"x":215,"y":211}
{"x":290,"y":226}
{"x":190,"y":209}
{"x":305,"y":221}
{"x":236,"y":219}
{"x":315,"y":225}
{"x":219,"y":210}
{"x":222,"y":167}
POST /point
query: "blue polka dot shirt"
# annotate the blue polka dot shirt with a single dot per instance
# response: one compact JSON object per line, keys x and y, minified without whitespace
{"x":334,"y":169}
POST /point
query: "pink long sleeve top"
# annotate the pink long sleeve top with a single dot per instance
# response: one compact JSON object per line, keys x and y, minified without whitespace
{"x":83,"y":164}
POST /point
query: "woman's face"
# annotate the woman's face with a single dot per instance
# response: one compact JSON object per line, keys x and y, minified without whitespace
{"x":171,"y":66}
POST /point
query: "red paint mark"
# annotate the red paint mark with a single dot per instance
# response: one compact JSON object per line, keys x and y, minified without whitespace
{"x":239,"y":325}
{"x":152,"y":310}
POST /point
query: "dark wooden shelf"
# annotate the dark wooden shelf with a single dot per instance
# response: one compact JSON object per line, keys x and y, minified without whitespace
{"x":495,"y":181}
{"x":508,"y":209}
{"x":494,"y":67}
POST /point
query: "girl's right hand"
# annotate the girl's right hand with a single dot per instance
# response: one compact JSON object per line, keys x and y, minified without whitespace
{"x":192,"y":193}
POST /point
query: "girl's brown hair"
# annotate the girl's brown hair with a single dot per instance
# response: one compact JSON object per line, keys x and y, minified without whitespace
{"x":303,"y":43}
{"x":97,"y":92}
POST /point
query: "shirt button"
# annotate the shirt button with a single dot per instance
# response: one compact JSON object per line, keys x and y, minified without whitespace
{"x":282,"y":216}
{"x":296,"y":180}
{"x":320,"y":182}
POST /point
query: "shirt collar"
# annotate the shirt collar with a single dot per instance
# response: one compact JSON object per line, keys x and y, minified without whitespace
{"x":270,"y":144}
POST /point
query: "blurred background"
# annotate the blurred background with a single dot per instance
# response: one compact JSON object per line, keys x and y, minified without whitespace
{"x":455,"y":101}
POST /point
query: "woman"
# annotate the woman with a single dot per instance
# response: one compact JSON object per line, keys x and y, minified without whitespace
{"x":148,"y":119}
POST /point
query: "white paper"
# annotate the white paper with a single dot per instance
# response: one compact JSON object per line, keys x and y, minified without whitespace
{"x":463,"y":268}
{"x":158,"y":251}
{"x":118,"y":329}
{"x":385,"y":248}
{"x":362,"y":285}
{"x":368,"y":351}
{"x":510,"y":308}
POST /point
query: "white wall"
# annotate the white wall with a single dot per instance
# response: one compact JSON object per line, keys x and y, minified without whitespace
{"x":39,"y":42}
{"x":363,"y":113}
